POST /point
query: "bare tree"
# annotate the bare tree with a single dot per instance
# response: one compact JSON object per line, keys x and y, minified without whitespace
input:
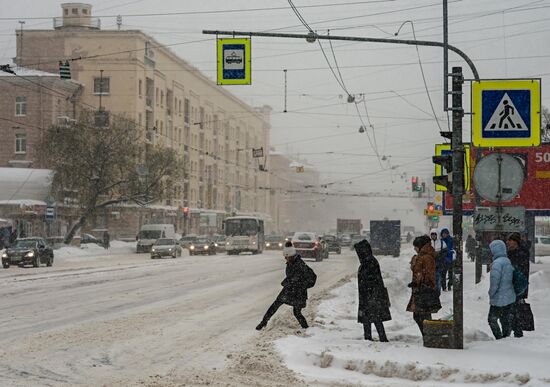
{"x":104,"y":166}
{"x":545,"y":122}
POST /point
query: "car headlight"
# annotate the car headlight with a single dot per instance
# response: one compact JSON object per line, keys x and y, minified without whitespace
{"x":280,"y":245}
{"x":206,"y":247}
{"x":227,"y":243}
{"x":152,"y":250}
{"x":215,"y":244}
{"x":192,"y":247}
{"x":30,"y":254}
{"x":170,"y":249}
{"x":4,"y":255}
{"x":268,"y":244}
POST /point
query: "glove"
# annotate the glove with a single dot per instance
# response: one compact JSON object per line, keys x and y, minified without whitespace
{"x":411,"y":285}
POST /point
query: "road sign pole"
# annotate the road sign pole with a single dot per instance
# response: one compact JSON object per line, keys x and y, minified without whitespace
{"x":457,"y":190}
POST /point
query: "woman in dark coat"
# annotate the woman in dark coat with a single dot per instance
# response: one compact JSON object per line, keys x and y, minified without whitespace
{"x":294,"y":292}
{"x":374,"y":303}
{"x":423,"y":280}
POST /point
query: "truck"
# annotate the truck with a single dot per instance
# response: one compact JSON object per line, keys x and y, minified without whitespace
{"x":385,"y":237}
{"x":149,"y":233}
{"x":348,"y":227}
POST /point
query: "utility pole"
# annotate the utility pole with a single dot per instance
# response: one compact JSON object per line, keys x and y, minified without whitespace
{"x":21,"y":22}
{"x":457,"y":191}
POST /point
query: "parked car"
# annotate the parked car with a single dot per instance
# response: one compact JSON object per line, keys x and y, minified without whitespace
{"x":542,"y":245}
{"x":28,"y":251}
{"x":345,"y":240}
{"x":202,"y":246}
{"x":274,"y":242}
{"x":187,"y":240}
{"x":333,"y":245}
{"x":166,"y":247}
{"x":219,"y":243}
{"x":309,"y":245}
{"x":89,"y":238}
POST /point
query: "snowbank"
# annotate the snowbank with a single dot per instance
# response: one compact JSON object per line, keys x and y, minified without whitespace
{"x":92,"y":251}
{"x":334,"y":351}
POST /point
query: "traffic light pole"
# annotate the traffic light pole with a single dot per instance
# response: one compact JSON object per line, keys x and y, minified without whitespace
{"x":457,"y":190}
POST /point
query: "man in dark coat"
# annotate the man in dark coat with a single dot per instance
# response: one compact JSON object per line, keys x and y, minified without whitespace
{"x":518,"y":253}
{"x":294,"y":291}
{"x":374,"y":303}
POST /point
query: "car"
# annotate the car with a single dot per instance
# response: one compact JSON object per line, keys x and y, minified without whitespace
{"x":542,"y":245}
{"x":219,"y":242}
{"x":333,"y":245}
{"x":309,"y":245}
{"x":89,"y":238}
{"x":345,"y":240}
{"x":274,"y":242}
{"x":28,"y":251}
{"x":187,"y":240}
{"x":202,"y":246}
{"x":165,"y":247}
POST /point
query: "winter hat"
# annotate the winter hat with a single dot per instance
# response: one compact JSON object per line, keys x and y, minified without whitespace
{"x":433,"y":231}
{"x":515,"y":236}
{"x":289,"y":250}
{"x":363,"y":247}
{"x":421,"y":241}
{"x":498,"y":249}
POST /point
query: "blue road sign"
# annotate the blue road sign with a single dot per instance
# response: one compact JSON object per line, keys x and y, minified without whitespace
{"x":50,"y":213}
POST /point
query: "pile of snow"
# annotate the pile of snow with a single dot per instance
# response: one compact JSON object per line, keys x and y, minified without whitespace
{"x":333,"y":351}
{"x":91,"y":250}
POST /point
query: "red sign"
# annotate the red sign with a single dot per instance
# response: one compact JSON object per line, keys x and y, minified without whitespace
{"x":535,"y":193}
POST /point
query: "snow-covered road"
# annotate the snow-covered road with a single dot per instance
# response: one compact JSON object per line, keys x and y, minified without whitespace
{"x":122,"y":317}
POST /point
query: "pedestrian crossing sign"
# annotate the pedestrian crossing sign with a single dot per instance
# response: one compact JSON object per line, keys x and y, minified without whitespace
{"x":506,"y":113}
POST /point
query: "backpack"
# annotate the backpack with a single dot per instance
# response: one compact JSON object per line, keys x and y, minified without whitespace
{"x":520,"y":282}
{"x":309,"y":276}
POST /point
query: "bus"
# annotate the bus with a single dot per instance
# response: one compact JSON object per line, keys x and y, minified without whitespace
{"x":244,"y":233}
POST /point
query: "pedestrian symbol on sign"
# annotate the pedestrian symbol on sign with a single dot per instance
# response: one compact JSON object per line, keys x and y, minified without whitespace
{"x":506,"y":117}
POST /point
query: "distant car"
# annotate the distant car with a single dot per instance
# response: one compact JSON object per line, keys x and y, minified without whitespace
{"x":345,"y":240}
{"x":274,"y":242}
{"x":202,"y":246}
{"x":219,"y":243}
{"x":308,"y":245}
{"x":89,"y":238}
{"x":333,"y":245}
{"x":187,"y":240}
{"x":28,"y":251}
{"x":165,"y":247}
{"x":542,"y":245}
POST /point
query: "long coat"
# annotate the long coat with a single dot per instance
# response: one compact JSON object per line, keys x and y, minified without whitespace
{"x":520,"y":260}
{"x":423,"y":275}
{"x":374,"y":302}
{"x":294,"y":291}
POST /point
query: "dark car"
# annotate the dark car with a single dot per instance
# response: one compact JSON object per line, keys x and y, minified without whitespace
{"x":274,"y":242}
{"x":202,"y":246}
{"x":309,"y":245}
{"x":28,"y":251}
{"x":89,"y":238}
{"x":333,"y":244}
{"x":187,"y":240}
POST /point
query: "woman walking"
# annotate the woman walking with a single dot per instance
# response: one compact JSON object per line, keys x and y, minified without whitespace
{"x":374,"y":303}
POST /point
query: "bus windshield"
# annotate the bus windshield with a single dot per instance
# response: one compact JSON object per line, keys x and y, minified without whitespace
{"x":241,"y":227}
{"x":149,"y":234}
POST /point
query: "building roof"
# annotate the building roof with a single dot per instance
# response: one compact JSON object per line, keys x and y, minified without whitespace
{"x":24,"y":185}
{"x":26,"y":72}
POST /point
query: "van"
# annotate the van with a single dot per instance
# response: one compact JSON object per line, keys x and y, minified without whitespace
{"x":149,"y":233}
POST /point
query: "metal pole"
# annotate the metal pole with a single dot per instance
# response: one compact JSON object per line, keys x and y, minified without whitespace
{"x":21,"y":43}
{"x":479,"y":238}
{"x":457,"y":190}
{"x":445,"y":57}
{"x":311,"y":37}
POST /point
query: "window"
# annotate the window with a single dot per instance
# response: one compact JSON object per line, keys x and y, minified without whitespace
{"x":545,"y":241}
{"x":157,"y":96}
{"x":102,"y":85}
{"x":186,"y":110}
{"x":20,"y":143}
{"x":66,"y":12}
{"x":161,"y":98}
{"x":20,"y":106}
{"x":140,"y":87}
{"x":84,"y":11}
{"x":74,"y":11}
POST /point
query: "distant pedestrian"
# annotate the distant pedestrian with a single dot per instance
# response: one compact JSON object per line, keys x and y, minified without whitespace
{"x":299,"y":277}
{"x":13,"y":237}
{"x":470,"y":247}
{"x":501,"y":291}
{"x":374,"y":302}
{"x":424,"y":299}
{"x":518,"y":253}
{"x":409,"y":237}
{"x":447,"y":272}
{"x":437,"y":244}
{"x":106,"y":240}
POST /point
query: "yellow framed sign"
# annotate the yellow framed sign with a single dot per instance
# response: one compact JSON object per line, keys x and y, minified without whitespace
{"x":506,"y":113}
{"x":234,"y":62}
{"x":445,"y":149}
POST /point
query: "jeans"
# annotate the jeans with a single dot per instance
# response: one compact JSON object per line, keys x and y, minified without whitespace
{"x":297,"y":313}
{"x":504,"y":315}
{"x":419,"y":318}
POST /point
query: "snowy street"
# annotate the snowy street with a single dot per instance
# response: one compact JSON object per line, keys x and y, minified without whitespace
{"x":122,"y":317}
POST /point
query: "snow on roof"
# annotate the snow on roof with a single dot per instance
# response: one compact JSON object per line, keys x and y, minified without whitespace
{"x":24,"y":202}
{"x":26,"y":72}
{"x":20,"y":184}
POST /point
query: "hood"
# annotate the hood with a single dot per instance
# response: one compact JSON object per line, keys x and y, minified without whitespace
{"x":498,"y":249}
{"x":363,"y":250}
{"x":445,"y":230}
{"x":434,"y":231}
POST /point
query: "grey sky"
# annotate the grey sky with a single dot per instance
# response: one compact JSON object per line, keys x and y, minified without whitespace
{"x":506,"y":38}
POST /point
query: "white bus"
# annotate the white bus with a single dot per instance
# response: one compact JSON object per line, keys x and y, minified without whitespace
{"x":244,"y":233}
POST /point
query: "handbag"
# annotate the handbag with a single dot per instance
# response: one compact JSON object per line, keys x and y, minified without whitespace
{"x":427,"y":300}
{"x":524,"y":315}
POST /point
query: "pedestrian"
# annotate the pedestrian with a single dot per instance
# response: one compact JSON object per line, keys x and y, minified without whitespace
{"x":447,"y":272}
{"x":437,"y":244}
{"x":501,"y":291}
{"x":13,"y":237}
{"x":409,"y":237}
{"x":374,"y":302}
{"x":518,"y":253}
{"x":470,"y":247}
{"x":424,"y":299}
{"x":295,"y":285}
{"x":106,"y":240}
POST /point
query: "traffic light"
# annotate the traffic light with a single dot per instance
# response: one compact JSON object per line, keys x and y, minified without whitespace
{"x":414,"y":183}
{"x":446,"y":162}
{"x":64,"y":70}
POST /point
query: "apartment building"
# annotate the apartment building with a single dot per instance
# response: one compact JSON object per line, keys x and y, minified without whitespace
{"x":129,"y":73}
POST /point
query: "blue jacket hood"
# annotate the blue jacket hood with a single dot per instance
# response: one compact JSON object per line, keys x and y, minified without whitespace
{"x":498,"y":249}
{"x":444,"y":230}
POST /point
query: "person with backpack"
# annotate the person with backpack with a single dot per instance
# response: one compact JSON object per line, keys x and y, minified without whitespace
{"x":501,"y":291}
{"x":447,"y":271}
{"x":374,"y":303}
{"x":299,"y":277}
{"x":518,"y":253}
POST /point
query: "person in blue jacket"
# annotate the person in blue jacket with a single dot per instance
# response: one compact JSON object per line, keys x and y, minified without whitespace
{"x":501,"y":291}
{"x":447,"y":269}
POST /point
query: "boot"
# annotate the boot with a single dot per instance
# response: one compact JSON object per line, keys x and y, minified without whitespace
{"x":367,"y":331}
{"x":261,"y":325}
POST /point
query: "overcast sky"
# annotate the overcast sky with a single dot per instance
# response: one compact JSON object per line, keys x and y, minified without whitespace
{"x":505,"y":38}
